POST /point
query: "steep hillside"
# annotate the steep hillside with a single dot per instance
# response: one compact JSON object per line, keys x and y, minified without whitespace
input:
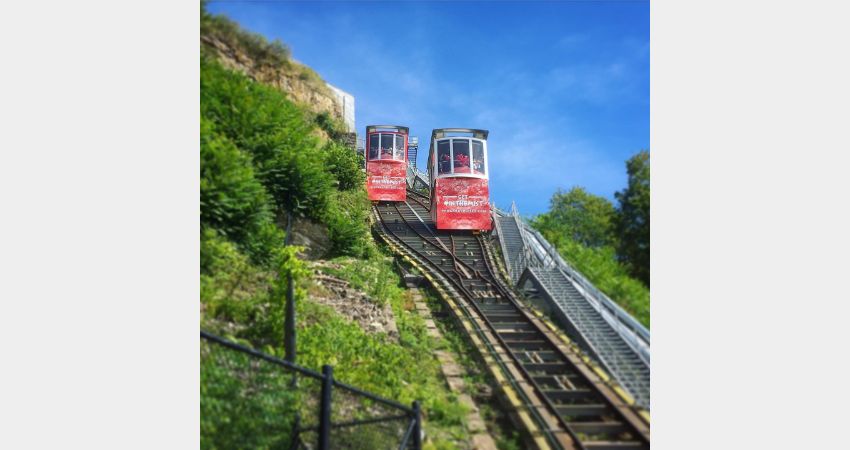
{"x":269,"y":63}
{"x":268,"y":159}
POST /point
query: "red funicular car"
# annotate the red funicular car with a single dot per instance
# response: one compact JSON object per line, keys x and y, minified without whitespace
{"x":460,"y":193}
{"x":386,"y":162}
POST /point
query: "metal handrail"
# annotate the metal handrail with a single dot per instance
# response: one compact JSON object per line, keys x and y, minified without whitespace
{"x":603,"y":299}
{"x":630,"y":329}
{"x":642,"y":351}
{"x":413,"y":174}
{"x":633,"y":332}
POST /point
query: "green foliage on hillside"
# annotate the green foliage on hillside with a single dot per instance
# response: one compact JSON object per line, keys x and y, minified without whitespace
{"x":407,"y":370}
{"x":273,"y":54}
{"x":244,"y":405}
{"x":246,"y":302}
{"x":261,"y":160}
{"x":334,"y":127}
{"x":275,"y":132}
{"x":232,"y":199}
{"x":344,"y":164}
{"x":254,"y":137}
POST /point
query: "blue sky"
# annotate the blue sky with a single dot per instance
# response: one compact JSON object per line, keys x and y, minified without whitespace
{"x":562,"y":86}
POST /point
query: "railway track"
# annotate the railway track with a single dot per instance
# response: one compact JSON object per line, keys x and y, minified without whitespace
{"x":560,"y":401}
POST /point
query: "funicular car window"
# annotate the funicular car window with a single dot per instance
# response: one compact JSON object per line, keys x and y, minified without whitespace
{"x":399,"y":147}
{"x":478,"y":163}
{"x":460,"y":150}
{"x":444,"y":159}
{"x":374,"y":143}
{"x":387,"y":146}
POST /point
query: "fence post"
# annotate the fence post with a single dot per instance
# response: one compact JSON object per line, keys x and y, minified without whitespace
{"x":417,"y":428}
{"x":289,"y":318}
{"x":325,"y":408}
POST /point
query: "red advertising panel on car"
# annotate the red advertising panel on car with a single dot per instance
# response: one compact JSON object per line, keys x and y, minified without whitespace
{"x":386,"y":181}
{"x":386,"y":162}
{"x":462,"y":204}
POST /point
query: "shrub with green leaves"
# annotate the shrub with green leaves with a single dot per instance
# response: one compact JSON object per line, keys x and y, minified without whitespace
{"x":348,"y":226}
{"x":232,"y":201}
{"x":344,"y":164}
{"x":277,"y":134}
{"x":335,"y":128}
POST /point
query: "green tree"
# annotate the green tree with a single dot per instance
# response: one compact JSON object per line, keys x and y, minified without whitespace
{"x":633,"y":217}
{"x":581,"y":216}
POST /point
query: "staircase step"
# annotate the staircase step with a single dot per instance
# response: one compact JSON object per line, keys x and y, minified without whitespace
{"x":588,"y":410}
{"x":613,"y":445}
{"x":598,"y":427}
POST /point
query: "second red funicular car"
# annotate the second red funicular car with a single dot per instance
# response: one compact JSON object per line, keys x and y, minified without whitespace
{"x":386,"y":162}
{"x":460,"y":191}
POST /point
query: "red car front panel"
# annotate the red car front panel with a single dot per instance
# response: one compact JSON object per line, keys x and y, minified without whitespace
{"x":462,"y":204}
{"x":385,"y":180}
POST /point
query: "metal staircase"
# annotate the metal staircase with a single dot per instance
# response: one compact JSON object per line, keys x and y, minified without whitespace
{"x":513,"y":247}
{"x":417,"y":180}
{"x":609,"y":334}
{"x":551,"y":288}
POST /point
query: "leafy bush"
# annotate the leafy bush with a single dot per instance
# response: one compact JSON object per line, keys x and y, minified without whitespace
{"x":334,"y":127}
{"x":348,"y":226}
{"x":261,"y":121}
{"x":232,"y":201}
{"x":344,"y":164}
{"x":264,"y":243}
{"x":244,"y":296}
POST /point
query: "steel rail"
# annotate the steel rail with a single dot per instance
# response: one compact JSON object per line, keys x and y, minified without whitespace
{"x":489,"y":261}
{"x":514,"y":382}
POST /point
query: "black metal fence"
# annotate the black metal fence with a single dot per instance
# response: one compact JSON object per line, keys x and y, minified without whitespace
{"x":253,"y":400}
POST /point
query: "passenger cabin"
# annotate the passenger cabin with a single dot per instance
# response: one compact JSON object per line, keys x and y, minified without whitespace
{"x":386,"y":162}
{"x":459,"y":176}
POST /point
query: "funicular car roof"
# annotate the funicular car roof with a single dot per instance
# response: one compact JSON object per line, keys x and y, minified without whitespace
{"x":387,"y":128}
{"x":440,"y":133}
